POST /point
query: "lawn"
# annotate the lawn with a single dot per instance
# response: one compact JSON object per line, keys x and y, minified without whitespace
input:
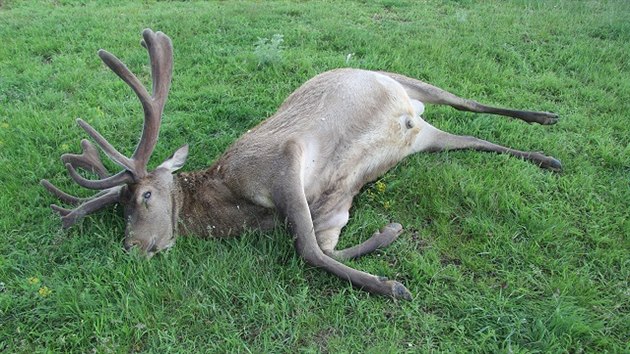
{"x":500,"y":255}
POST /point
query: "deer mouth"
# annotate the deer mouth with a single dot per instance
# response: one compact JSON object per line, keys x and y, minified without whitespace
{"x":153,"y":247}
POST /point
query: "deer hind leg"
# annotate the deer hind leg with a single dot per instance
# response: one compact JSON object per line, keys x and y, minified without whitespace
{"x":290,"y":200}
{"x":431,"y":139}
{"x":427,"y":93}
{"x":330,"y":215}
{"x":327,"y":240}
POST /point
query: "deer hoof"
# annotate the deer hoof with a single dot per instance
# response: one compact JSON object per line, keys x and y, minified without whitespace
{"x":392,"y":228}
{"x":550,"y":119}
{"x":544,"y":118}
{"x":399,"y":291}
{"x":388,"y":234}
{"x":552,"y":164}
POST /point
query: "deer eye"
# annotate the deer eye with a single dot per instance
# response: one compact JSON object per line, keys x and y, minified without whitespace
{"x":146,"y":195}
{"x":409,"y":123}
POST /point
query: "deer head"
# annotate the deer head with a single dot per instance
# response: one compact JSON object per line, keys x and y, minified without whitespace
{"x":148,"y":197}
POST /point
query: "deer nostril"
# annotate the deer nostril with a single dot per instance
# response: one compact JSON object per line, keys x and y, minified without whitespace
{"x":131,"y":244}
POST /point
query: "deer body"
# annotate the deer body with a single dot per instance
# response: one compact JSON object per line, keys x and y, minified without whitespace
{"x":302,"y":166}
{"x":337,"y":131}
{"x":333,"y":141}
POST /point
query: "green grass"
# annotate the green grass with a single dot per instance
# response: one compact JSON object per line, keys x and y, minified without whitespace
{"x":500,"y":255}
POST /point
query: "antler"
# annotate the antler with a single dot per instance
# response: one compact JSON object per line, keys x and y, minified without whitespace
{"x":161,"y":56}
{"x":89,"y":161}
{"x":135,"y":168}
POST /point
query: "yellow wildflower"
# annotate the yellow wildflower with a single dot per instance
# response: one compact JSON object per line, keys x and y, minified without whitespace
{"x":33,"y":280}
{"x":44,"y":291}
{"x":380,"y":186}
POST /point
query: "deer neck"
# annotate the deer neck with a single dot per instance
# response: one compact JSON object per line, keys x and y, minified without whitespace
{"x":206,"y":207}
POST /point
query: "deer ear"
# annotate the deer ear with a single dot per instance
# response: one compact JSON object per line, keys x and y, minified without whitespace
{"x":418,"y":107}
{"x":176,"y":161}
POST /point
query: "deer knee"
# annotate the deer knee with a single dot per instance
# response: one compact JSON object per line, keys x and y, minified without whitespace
{"x":314,"y":258}
{"x":312,"y":254}
{"x":327,"y":239}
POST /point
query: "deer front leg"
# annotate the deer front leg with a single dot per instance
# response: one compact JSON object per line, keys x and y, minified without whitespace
{"x":431,"y":139}
{"x":290,"y":201}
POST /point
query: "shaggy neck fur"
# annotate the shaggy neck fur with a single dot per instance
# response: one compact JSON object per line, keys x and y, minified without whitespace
{"x":206,"y":207}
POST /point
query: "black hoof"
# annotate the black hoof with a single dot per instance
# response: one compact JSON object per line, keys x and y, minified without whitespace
{"x":552,"y":164}
{"x":546,"y":118}
{"x":400,"y":292}
{"x":551,"y":120}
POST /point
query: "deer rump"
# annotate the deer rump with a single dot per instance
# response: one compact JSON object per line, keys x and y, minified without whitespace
{"x":302,"y":166}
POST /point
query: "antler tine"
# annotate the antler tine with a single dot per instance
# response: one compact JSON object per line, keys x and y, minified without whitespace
{"x":127,"y":76}
{"x":122,"y":177}
{"x":160,"y":51}
{"x":90,"y":205}
{"x":85,"y":206}
{"x":65,"y":197}
{"x":90,"y":157}
{"x":107,"y":148}
{"x":88,"y":160}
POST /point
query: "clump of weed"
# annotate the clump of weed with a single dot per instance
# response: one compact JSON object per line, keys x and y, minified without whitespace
{"x":269,"y":51}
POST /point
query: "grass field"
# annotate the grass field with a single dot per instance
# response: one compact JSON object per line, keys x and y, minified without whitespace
{"x":500,"y":255}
